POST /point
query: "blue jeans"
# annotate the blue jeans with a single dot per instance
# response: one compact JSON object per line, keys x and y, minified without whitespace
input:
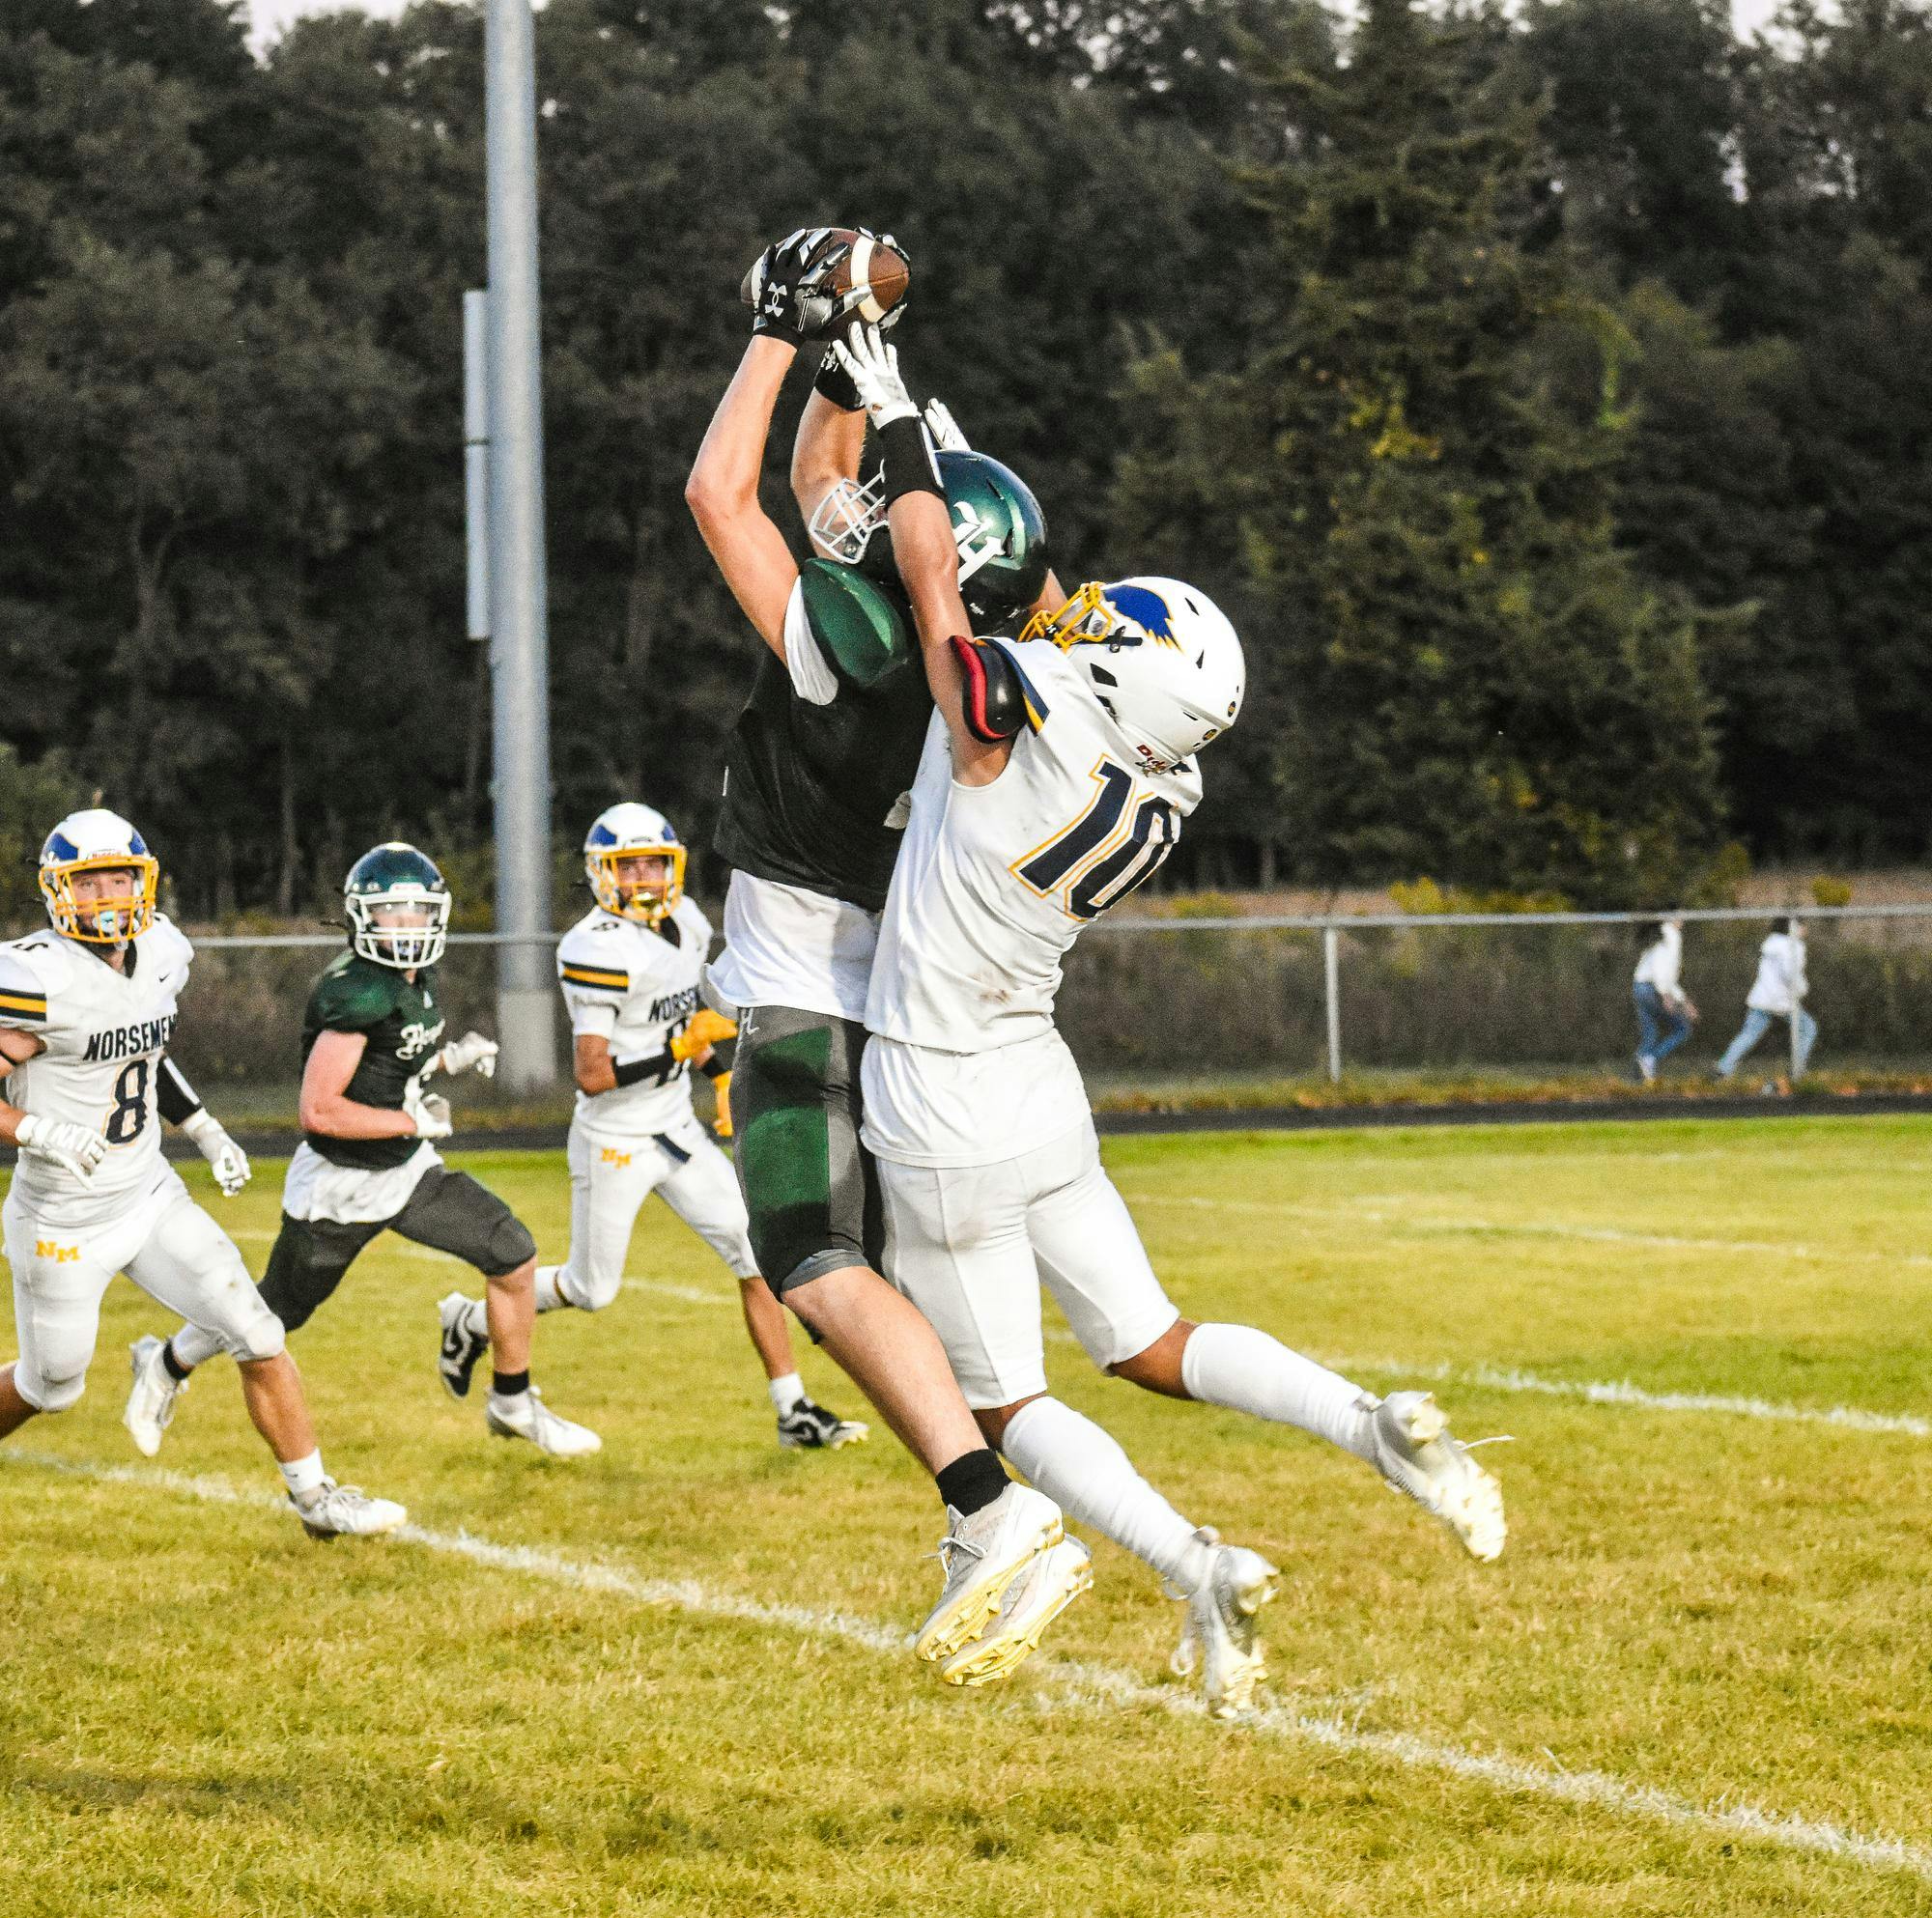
{"x":1756,"y":1024}
{"x":1660,"y":1028}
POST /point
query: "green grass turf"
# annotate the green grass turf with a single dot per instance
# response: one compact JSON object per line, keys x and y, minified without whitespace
{"x":201,"y":1711}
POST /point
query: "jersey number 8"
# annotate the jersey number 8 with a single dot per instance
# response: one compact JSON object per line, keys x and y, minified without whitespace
{"x":1092,"y":865}
{"x":129,"y":1117}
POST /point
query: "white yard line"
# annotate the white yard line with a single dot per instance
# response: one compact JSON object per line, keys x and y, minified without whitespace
{"x":1103,"y":1689}
{"x":1619,"y":1392}
{"x":1540,"y":1228}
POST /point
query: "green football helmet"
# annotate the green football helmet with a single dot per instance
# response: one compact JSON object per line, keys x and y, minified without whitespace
{"x":997,"y":522}
{"x":398,"y":907}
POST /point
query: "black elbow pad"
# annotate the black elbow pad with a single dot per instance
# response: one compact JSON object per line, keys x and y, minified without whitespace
{"x":1000,"y":699}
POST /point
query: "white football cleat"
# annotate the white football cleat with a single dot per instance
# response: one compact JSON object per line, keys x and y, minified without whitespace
{"x":334,"y":1511}
{"x":528,"y":1417}
{"x":1043,"y":1590}
{"x":982,"y":1555}
{"x":1219,"y":1634}
{"x":462,"y":1347}
{"x":1415,"y":1454}
{"x":150,"y":1399}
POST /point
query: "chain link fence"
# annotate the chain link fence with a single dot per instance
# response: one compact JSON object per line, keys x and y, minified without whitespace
{"x":1156,"y":1006}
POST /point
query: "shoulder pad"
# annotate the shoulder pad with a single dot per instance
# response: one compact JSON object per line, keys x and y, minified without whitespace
{"x":1001,"y":700}
{"x":352,"y":998}
{"x":23,"y":993}
{"x":696,"y":924}
{"x":864,"y":633}
{"x":589,"y":959}
{"x":170,"y":941}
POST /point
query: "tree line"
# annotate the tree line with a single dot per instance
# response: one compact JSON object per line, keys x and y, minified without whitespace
{"x":1546,"y":393}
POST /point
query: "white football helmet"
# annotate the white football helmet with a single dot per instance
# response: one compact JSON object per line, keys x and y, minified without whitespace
{"x":630,"y":830}
{"x":97,"y":840}
{"x":1168,"y":667}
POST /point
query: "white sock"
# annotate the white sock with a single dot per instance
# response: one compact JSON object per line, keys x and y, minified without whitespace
{"x":549,"y":1293}
{"x":1083,"y":1470}
{"x":194,"y":1346}
{"x":1249,"y":1371}
{"x":476,"y":1319}
{"x":303,"y":1476}
{"x":785,"y":1393}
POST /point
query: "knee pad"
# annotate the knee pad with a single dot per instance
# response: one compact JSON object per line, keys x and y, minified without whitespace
{"x":48,"y":1395}
{"x":511,"y":1245}
{"x":589,"y":1291}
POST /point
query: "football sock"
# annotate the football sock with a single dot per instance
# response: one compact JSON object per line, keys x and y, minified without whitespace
{"x":176,"y":1370}
{"x":192,"y":1346}
{"x":972,"y":1480}
{"x":1247,"y":1370}
{"x":785,"y":1393}
{"x":1084,"y":1471}
{"x":550,"y":1292}
{"x":509,"y":1385}
{"x":303,"y":1476}
{"x":476,"y":1319}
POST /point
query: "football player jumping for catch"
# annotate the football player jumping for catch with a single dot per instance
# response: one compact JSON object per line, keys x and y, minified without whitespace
{"x":368,"y":1163}
{"x":629,"y":971}
{"x":817,"y":768}
{"x":1055,"y":776}
{"x":86,"y":1012}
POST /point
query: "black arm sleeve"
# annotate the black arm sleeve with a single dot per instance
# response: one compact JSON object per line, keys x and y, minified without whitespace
{"x":911,"y":465}
{"x":174,"y":1094}
{"x":659,"y":1066}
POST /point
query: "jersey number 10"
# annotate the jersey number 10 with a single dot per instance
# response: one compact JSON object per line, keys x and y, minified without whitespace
{"x":1092,"y":865}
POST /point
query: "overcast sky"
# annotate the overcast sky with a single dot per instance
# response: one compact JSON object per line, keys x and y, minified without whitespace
{"x":270,"y":16}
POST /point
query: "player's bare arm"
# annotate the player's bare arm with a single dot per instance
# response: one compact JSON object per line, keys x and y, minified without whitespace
{"x":723,"y":491}
{"x":324,"y":1107}
{"x":825,"y":451}
{"x":15,"y":1049}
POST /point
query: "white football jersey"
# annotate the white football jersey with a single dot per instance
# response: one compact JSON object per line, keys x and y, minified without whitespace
{"x":105,"y":1033}
{"x":636,"y":987}
{"x":994,"y":883}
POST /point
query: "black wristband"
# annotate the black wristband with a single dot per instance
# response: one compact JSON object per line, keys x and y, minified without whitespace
{"x":911,"y":464}
{"x":836,"y":385}
{"x":715,"y":1067}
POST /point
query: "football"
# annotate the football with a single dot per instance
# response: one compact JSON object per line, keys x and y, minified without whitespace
{"x":847,"y":263}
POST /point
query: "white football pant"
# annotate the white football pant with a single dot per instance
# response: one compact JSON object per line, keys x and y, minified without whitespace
{"x":971,"y":1245}
{"x":166,"y":1244}
{"x":609,"y":1180}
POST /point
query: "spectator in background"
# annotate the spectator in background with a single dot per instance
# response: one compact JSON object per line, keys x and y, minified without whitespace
{"x":1663,"y":1015}
{"x":1777,"y":993}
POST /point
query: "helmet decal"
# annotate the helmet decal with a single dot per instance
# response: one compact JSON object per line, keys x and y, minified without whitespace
{"x":1144,"y":608}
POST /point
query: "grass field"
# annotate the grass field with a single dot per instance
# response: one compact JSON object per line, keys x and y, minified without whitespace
{"x":671,"y":1680}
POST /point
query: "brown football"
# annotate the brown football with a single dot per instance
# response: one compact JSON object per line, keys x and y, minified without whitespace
{"x":848,"y":261}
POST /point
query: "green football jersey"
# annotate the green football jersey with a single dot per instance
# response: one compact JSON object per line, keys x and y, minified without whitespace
{"x":404,"y":1025}
{"x":809,"y":790}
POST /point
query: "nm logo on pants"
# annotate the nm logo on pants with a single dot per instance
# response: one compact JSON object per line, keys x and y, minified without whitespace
{"x":60,"y":1255}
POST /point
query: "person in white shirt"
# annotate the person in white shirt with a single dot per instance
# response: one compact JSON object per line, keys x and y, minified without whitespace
{"x":1664,"y":1013}
{"x":629,"y":971}
{"x":87,"y":1009}
{"x":1056,"y":775}
{"x":1777,"y":993}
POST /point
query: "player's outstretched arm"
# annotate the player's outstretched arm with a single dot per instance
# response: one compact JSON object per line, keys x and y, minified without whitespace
{"x":923,"y":547}
{"x":722,"y":492}
{"x":826,"y":449}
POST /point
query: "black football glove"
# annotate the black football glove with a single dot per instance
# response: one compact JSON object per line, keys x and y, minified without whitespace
{"x":790,"y":290}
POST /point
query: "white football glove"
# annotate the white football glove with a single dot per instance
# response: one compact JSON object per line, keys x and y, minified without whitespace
{"x":472,"y":1048}
{"x":229,"y":1161}
{"x":63,"y":1143}
{"x":431,"y":1112}
{"x":943,"y":427}
{"x":873,"y":367}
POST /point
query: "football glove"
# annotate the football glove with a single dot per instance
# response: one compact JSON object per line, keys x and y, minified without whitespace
{"x":703,"y":1029}
{"x":212,"y":1141}
{"x":791,"y":288}
{"x":874,"y":370}
{"x":61,"y":1142}
{"x":460,"y":1055}
{"x":943,"y":427}
{"x":431,"y":1112}
{"x":721,"y":1088}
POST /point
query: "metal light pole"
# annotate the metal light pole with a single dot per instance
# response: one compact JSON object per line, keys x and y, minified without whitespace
{"x":519,"y":625}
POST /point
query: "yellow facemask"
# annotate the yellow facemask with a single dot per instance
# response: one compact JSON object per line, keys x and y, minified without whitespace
{"x":120,"y":915}
{"x":647,"y":908}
